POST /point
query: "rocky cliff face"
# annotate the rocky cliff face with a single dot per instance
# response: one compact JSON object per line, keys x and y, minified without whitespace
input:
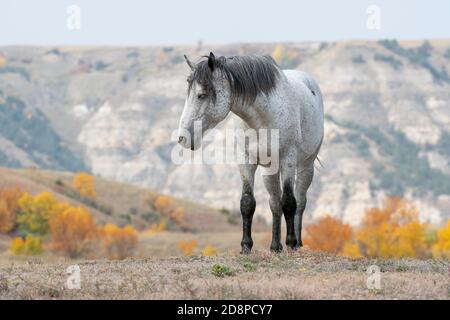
{"x":387,"y":108}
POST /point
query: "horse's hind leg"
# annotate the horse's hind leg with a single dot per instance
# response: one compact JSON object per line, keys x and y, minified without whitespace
{"x":288,"y":202}
{"x":272,"y":184}
{"x":304,"y":179}
{"x":248,"y":205}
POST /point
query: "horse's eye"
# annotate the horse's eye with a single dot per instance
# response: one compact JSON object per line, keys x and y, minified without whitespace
{"x":201,"y":96}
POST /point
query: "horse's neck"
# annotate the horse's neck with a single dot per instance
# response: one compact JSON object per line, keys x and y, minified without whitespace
{"x":250,"y":115}
{"x":257,"y":115}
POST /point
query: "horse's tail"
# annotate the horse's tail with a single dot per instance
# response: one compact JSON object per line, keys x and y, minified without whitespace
{"x":317,"y":154}
{"x":320,"y":162}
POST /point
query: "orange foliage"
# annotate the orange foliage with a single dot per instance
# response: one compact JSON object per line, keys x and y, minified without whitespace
{"x":118,"y":243}
{"x":166,"y":208}
{"x":72,"y":231}
{"x":187,"y":247}
{"x":328,"y":234}
{"x":85,"y":185}
{"x":9,"y":205}
{"x":392,"y":231}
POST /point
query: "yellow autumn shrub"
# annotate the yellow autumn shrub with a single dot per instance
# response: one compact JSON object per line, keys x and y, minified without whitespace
{"x":351,"y":250}
{"x":410,"y":240}
{"x":209,"y":251}
{"x":119,"y":243}
{"x":393,"y":231}
{"x":35,"y":212}
{"x":441,"y":249}
{"x":30,"y":246}
{"x":84,"y":183}
{"x":279,"y":53}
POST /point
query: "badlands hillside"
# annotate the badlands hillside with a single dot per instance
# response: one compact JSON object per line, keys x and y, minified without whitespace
{"x":112,"y":110}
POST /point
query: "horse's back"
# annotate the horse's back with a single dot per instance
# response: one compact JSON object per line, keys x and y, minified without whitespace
{"x":305,"y":85}
{"x":308,"y":97}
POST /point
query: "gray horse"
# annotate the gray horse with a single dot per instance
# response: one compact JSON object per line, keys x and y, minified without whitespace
{"x":263,"y":96}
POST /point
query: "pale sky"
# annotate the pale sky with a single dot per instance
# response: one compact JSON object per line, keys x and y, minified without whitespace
{"x":149,"y":22}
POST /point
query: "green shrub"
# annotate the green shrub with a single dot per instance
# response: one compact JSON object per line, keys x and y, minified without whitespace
{"x":359,"y":59}
{"x":249,"y":267}
{"x":221,"y":271}
{"x":394,"y":63}
{"x":100,"y":65}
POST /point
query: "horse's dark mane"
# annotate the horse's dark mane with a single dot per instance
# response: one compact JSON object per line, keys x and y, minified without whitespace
{"x":247,"y":75}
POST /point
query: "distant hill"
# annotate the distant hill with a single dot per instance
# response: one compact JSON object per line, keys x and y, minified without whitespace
{"x":113,"y":109}
{"x":27,"y":136}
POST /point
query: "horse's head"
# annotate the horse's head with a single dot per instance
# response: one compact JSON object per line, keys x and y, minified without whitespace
{"x":208,"y":101}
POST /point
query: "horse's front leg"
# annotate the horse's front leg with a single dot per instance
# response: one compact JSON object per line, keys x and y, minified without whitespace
{"x":272,"y":184}
{"x":248,"y":205}
{"x":288,"y":202}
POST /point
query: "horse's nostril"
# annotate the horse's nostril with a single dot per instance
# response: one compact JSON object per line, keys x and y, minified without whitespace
{"x":181,"y":139}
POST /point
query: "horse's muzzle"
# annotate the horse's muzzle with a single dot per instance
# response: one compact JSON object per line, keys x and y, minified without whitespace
{"x":183,"y":141}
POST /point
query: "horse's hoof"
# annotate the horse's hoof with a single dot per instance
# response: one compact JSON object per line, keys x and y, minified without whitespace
{"x":246,"y":246}
{"x":277,"y":248}
{"x":291,"y":242}
{"x":246,"y":250}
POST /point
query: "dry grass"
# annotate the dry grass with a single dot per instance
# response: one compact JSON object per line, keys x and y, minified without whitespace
{"x":261,"y":275}
{"x":165,"y":244}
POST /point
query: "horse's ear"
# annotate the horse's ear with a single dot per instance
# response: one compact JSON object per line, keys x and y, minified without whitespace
{"x":211,"y":61}
{"x":189,"y":63}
